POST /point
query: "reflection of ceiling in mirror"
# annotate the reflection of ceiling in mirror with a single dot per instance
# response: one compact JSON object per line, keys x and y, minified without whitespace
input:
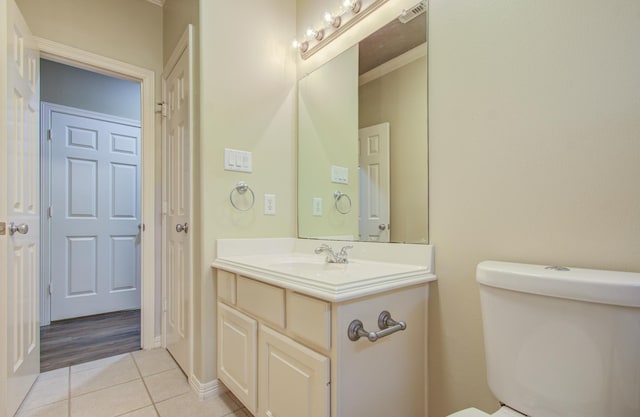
{"x":390,"y":41}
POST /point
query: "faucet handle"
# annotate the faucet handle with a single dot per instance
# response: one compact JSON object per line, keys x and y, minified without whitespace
{"x":344,"y":249}
{"x":322,"y":248}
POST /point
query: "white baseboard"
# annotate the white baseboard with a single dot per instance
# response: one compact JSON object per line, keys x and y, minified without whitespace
{"x":157,"y":342}
{"x":207,"y":390}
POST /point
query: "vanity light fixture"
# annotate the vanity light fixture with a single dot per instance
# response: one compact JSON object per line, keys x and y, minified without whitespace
{"x":335,"y":23}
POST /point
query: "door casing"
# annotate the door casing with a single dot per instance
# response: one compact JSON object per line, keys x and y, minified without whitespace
{"x":82,"y":59}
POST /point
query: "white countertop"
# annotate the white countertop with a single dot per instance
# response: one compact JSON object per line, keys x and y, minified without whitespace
{"x":291,"y":263}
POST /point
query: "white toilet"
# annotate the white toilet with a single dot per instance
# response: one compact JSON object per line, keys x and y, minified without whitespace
{"x":560,"y":342}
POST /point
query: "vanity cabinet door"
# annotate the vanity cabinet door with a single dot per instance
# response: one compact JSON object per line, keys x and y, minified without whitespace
{"x":294,"y":380}
{"x":237,"y":354}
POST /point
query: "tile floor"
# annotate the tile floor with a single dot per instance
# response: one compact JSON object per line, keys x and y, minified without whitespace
{"x":138,"y":384}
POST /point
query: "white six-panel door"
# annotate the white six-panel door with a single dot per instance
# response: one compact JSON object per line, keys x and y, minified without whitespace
{"x":177,"y":185}
{"x":95,"y":213}
{"x":19,"y":183}
{"x":374,"y":183}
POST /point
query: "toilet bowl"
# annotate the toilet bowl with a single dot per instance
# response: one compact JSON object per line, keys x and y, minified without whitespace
{"x":560,"y":341}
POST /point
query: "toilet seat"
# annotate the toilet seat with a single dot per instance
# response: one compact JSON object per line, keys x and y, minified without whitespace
{"x":474,"y":412}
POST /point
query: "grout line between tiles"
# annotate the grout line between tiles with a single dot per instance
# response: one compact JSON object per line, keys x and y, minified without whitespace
{"x":153,"y":403}
{"x":102,"y":388}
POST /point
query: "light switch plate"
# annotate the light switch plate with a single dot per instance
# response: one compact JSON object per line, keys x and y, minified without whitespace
{"x":339,"y":175}
{"x":235,"y":160}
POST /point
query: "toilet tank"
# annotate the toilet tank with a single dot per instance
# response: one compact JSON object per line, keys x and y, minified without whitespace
{"x":562,"y":342}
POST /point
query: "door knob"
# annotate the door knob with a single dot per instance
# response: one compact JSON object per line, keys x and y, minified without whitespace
{"x":382,"y":226}
{"x":182,"y":227}
{"x":21,"y":228}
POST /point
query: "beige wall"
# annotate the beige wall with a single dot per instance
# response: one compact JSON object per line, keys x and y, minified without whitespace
{"x":248,"y":102}
{"x":534,"y":157}
{"x":176,"y":15}
{"x":126,"y":30}
{"x":400,"y":98}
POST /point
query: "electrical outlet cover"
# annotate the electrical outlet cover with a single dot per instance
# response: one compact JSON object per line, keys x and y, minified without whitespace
{"x":270,"y":204}
{"x":317,"y":206}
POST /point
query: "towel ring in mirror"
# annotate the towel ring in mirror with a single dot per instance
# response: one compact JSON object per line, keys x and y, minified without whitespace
{"x":339,"y":196}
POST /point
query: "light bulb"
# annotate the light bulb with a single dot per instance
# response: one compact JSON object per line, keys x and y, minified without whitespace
{"x":334,"y":21}
{"x":354,"y":5}
{"x":301,"y":46}
{"x":316,"y":34}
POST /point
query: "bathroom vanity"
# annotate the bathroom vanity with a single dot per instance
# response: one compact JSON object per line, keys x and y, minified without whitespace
{"x":284,"y":314}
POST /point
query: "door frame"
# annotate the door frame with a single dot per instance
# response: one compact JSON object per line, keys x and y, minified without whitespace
{"x":86,"y":60}
{"x":184,"y":45}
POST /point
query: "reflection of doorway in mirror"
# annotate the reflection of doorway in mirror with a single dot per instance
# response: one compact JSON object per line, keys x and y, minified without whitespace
{"x":374,"y":219}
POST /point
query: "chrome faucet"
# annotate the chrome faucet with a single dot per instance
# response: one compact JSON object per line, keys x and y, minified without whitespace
{"x":341,"y":257}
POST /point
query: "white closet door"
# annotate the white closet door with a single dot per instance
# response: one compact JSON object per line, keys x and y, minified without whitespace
{"x":178,"y":258}
{"x":95,"y":236}
{"x":375,"y":192}
{"x":19,"y":211}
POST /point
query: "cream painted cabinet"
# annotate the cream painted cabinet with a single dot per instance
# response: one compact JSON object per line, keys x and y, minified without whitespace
{"x":237,"y":350}
{"x":294,"y":380}
{"x":306,"y":366}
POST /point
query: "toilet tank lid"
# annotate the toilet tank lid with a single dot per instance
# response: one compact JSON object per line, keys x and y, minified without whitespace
{"x":597,"y":286}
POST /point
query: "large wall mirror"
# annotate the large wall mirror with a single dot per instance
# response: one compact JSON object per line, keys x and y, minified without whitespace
{"x":362,"y":140}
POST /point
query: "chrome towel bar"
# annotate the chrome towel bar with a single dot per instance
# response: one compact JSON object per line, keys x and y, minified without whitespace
{"x":386,"y":324}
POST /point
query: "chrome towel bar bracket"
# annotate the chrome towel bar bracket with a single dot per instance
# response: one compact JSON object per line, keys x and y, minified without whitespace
{"x":386,"y":324}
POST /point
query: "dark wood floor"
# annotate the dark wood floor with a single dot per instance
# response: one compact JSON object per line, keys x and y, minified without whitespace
{"x":70,"y":342}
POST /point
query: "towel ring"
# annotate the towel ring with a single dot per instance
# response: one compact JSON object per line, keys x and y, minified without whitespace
{"x":241,"y":188}
{"x":339,"y":195}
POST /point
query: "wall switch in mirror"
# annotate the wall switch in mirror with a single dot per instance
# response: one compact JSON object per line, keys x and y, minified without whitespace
{"x":235,"y":160}
{"x":317,"y":206}
{"x":270,"y":204}
{"x":339,"y":175}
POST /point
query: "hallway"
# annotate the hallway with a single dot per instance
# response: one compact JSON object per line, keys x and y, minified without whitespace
{"x":138,"y":384}
{"x":85,"y":339}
